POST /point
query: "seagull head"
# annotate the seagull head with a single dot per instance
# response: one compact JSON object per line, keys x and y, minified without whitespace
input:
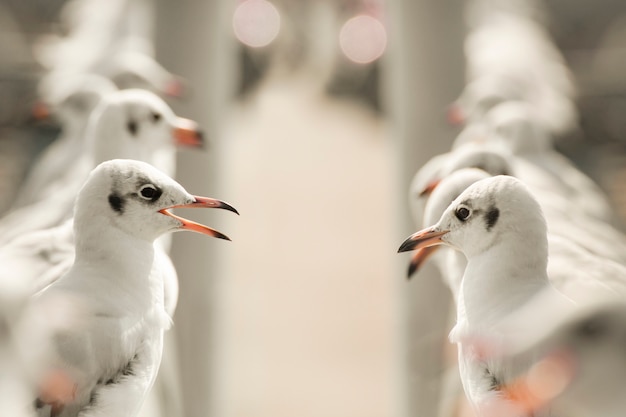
{"x":135,"y":69}
{"x":136,"y":198}
{"x":446,"y":191}
{"x":491,"y":161}
{"x":136,"y":123}
{"x":489,"y":211}
{"x":71,"y":99}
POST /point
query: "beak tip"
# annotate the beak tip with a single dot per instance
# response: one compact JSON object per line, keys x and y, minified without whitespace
{"x":228,"y":207}
{"x":405,"y":246}
{"x":223,"y":236}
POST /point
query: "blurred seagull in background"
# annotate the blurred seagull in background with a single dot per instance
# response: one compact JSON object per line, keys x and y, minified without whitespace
{"x":134,"y":124}
{"x":70,"y":101}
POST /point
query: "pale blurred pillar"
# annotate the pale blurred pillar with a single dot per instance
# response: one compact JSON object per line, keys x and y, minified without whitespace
{"x":424,"y":73}
{"x":193,"y":40}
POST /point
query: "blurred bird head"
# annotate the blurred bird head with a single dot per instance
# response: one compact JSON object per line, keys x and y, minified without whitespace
{"x":135,"y":124}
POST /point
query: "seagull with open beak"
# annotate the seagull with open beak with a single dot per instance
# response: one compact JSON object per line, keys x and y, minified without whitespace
{"x":110,"y":358}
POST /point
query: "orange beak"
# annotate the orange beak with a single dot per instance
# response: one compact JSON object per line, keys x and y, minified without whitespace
{"x":200,"y":202}
{"x":187,"y":133}
{"x":423,"y":239}
{"x":419,"y":257}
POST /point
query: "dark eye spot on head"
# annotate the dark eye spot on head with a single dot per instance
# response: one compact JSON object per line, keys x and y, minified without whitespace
{"x":491,"y":217}
{"x":156,"y":117}
{"x":132,"y":127}
{"x":462,"y":213}
{"x":116,"y":202}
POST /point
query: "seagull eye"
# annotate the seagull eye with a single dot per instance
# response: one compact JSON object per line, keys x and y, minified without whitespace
{"x":156,"y":117}
{"x":462,"y":213}
{"x":149,"y":192}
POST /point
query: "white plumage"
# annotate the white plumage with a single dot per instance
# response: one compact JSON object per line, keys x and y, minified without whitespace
{"x":113,"y":353}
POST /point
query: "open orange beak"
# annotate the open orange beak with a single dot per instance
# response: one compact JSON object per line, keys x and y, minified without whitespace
{"x":187,"y":133}
{"x":200,"y":202}
{"x":419,"y":257}
{"x":423,"y":239}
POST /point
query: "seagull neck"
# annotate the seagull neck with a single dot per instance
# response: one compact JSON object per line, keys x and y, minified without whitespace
{"x":118,"y":253}
{"x":501,"y":279}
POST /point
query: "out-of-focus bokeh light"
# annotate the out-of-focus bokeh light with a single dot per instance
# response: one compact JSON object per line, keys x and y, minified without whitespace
{"x":256,"y":23}
{"x":363,"y":39}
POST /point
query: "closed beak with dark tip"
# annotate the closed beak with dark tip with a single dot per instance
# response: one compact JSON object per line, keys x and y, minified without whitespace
{"x":423,"y":239}
{"x":187,"y":133}
{"x":419,"y":257}
{"x":200,"y":202}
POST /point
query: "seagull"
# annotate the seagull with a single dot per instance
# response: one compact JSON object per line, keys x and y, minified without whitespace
{"x":71,"y":101}
{"x":450,"y":262}
{"x":110,"y":358}
{"x":134,"y":124}
{"x":135,"y":69}
{"x":518,"y":54}
{"x":498,"y":225}
{"x":574,"y":271}
{"x":585,"y":229}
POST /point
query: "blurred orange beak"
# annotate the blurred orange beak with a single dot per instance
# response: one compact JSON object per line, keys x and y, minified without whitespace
{"x":40,"y":111}
{"x":455,"y":115}
{"x":187,"y":133}
{"x":430,"y":187}
{"x":174,"y":88}
{"x":419,"y":257}
{"x":200,"y":202}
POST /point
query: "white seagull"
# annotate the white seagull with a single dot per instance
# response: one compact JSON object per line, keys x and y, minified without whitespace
{"x":134,"y":124}
{"x":498,"y":225}
{"x":450,"y":262}
{"x":110,"y":359}
{"x":71,"y":100}
{"x":579,"y":226}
